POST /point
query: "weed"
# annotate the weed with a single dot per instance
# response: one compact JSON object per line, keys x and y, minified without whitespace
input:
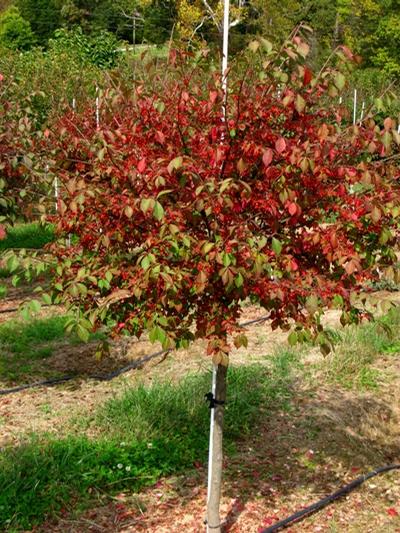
{"x":25,"y":343}
{"x":350,"y":363}
{"x":33,"y":235}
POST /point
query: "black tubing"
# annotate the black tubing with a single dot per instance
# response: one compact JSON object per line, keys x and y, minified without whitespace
{"x":317,"y":506}
{"x":98,"y":377}
{"x":106,"y":377}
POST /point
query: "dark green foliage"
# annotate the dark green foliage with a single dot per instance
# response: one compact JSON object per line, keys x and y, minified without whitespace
{"x":44,"y":17}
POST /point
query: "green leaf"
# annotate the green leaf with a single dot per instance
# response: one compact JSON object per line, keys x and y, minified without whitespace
{"x":157,"y":334}
{"x":340,"y":81}
{"x":35,"y":306}
{"x":207,"y":247}
{"x":158,"y":211}
{"x":239,"y":280}
{"x":145,"y":262}
{"x":12,"y":264}
{"x":299,"y":103}
{"x":101,"y":153}
{"x":226,"y":259}
{"x":312,"y":304}
{"x":82,"y":332}
{"x":46,"y":298}
{"x":276,"y":246}
{"x":267,"y":45}
{"x":175,"y":164}
{"x":146,"y":204}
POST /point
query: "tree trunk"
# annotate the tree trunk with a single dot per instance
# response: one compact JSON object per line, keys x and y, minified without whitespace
{"x":215,"y":481}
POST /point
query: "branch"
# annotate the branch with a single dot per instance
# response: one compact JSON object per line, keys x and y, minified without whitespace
{"x":212,"y":14}
{"x":199,"y":26}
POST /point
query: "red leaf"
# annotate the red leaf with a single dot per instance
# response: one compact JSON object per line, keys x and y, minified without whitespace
{"x":267,"y":157}
{"x":292,"y":208}
{"x":160,"y":137}
{"x":392,"y":511}
{"x":280,"y":145}
{"x":307,"y":76}
{"x":213,"y":96}
{"x":142,"y":165}
{"x":347,"y":52}
{"x":3,"y":233}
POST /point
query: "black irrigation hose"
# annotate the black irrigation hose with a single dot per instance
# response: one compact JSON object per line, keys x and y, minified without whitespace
{"x":317,"y":506}
{"x":100,"y":377}
{"x":106,"y":377}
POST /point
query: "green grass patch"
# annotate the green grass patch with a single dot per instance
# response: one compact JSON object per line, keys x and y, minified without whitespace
{"x":33,"y":235}
{"x":359,"y":347}
{"x":24,"y":344}
{"x":142,"y":435}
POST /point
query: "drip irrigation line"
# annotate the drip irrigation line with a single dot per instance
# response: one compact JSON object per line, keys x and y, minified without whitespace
{"x":99,"y":377}
{"x":111,"y":375}
{"x":317,"y":506}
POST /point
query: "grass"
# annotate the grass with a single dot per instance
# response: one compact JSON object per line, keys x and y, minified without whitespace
{"x":142,"y":435}
{"x":32,"y":235}
{"x":359,"y":347}
{"x":23,"y":344}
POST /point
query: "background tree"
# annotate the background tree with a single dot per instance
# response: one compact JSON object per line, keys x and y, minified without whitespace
{"x":15,"y":32}
{"x":44,"y":17}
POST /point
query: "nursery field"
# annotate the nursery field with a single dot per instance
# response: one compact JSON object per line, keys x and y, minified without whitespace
{"x":129,"y":454}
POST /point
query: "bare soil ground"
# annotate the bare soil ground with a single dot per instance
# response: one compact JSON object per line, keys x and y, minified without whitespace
{"x":326,"y":438}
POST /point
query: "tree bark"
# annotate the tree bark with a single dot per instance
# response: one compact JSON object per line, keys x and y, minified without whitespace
{"x":213,"y":517}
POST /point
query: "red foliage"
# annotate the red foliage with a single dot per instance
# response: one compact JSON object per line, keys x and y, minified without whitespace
{"x":182,"y":215}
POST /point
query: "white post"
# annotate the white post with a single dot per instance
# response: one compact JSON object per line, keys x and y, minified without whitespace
{"x":97,"y":109}
{"x":225,"y":52}
{"x":340,"y":100}
{"x":362,"y":112}
{"x":74,"y":104}
{"x":55,"y":190}
{"x":355,"y":106}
